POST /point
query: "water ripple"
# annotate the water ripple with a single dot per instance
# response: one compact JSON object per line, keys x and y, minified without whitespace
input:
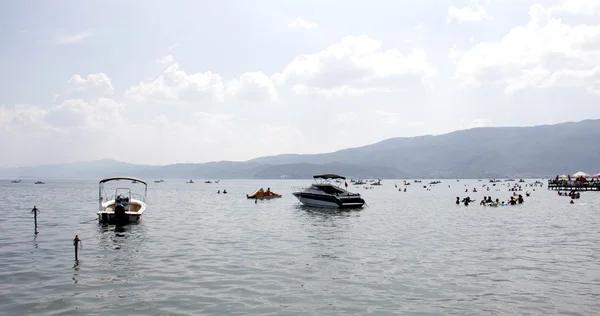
{"x":198,"y":252}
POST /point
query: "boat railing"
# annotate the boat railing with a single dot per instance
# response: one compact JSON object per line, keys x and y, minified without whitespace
{"x":138,"y":197}
{"x":299,"y":189}
{"x":108,"y":198}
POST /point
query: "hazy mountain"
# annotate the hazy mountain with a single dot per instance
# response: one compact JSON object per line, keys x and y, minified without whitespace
{"x":307,"y":170}
{"x":87,"y":169}
{"x":480,"y":152}
{"x":475,"y":153}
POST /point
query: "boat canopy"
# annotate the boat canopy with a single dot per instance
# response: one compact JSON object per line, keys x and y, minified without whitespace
{"x":328,"y":176}
{"x":123,"y":178}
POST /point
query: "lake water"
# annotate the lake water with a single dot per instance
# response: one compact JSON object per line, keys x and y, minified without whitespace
{"x":198,"y":252}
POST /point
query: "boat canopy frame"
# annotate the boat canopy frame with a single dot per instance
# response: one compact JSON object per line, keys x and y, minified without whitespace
{"x":101,"y":193}
{"x":123,"y":178}
{"x":328,"y":176}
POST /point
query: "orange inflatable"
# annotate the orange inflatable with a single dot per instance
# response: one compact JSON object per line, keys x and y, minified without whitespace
{"x":262,"y":194}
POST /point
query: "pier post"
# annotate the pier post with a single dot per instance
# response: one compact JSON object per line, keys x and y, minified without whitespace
{"x":35,"y":212}
{"x":78,"y":245}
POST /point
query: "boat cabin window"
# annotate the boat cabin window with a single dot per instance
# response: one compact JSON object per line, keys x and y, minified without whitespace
{"x":330,"y":189}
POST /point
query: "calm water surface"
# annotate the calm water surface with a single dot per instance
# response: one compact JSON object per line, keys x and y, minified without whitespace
{"x":198,"y":252}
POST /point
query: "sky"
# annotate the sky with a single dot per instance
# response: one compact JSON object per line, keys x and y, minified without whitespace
{"x":158,"y":82}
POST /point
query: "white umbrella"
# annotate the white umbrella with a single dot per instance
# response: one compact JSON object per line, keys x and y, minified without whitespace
{"x":581,"y":174}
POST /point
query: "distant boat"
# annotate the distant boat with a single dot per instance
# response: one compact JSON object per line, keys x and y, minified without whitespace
{"x":16,"y":181}
{"x":40,"y":182}
{"x":359,"y":182}
{"x":191,"y":181}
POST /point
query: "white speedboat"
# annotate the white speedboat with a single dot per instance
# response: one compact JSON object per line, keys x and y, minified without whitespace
{"x":124,"y":206}
{"x":322,"y":193}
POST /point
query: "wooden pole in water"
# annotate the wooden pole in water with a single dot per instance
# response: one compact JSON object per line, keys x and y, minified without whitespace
{"x":35,"y":212}
{"x":76,"y":243}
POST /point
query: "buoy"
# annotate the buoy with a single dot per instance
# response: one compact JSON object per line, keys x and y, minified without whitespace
{"x":78,"y":245}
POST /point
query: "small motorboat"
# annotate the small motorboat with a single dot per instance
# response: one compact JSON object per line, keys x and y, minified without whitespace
{"x":191,"y":181}
{"x":322,"y":193}
{"x":39,"y":182}
{"x":124,"y":206}
{"x":262,"y":194}
{"x":16,"y":181}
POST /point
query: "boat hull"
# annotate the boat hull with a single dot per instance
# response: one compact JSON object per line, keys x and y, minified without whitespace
{"x":111,"y":218}
{"x":111,"y":214}
{"x":264,"y":197}
{"x":328,"y":201}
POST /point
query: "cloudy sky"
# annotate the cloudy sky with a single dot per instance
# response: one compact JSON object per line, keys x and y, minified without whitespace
{"x":192,"y":81}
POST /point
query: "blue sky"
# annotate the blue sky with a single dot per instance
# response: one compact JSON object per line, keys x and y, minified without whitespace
{"x":195,"y":81}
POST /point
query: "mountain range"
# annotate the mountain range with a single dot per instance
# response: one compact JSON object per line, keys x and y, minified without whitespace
{"x":487,"y":152}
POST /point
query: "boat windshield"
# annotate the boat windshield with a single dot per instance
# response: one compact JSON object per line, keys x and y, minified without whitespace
{"x":329,"y":189}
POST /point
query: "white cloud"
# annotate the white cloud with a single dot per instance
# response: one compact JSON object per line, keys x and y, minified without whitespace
{"x":166,"y":60}
{"x":546,"y":52}
{"x":79,"y":114}
{"x":24,"y":119}
{"x":484,"y":122}
{"x":72,"y":38}
{"x":89,"y":87}
{"x":252,"y":86}
{"x":302,"y":23}
{"x":454,"y":54}
{"x":176,"y":86}
{"x":472,"y":12}
{"x":356,"y":65}
{"x":578,"y":7}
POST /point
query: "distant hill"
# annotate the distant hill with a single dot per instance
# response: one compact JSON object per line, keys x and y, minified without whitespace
{"x":477,"y":153}
{"x":491,"y":152}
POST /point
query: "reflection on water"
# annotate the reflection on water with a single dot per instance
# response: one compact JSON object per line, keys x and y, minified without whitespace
{"x":409,"y":252}
{"x":328,"y":230}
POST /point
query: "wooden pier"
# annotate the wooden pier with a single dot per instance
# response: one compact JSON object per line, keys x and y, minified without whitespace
{"x":565,"y":185}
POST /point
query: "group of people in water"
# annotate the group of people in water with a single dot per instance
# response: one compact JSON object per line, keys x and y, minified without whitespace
{"x":487,"y":201}
{"x":573,"y":194}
